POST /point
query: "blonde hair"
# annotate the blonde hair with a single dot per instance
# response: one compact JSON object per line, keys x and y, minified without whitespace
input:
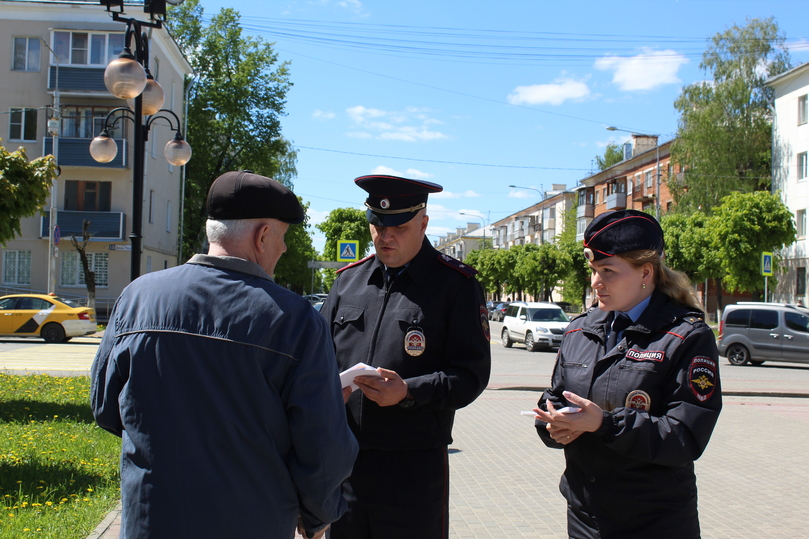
{"x":672,"y":283}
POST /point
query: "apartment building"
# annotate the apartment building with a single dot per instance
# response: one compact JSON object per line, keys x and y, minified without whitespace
{"x":463,"y":241}
{"x":537,"y":224}
{"x":790,"y":162}
{"x":57,"y":50}
{"x":636,"y":183}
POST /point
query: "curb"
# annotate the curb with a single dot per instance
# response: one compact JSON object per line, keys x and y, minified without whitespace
{"x":106,"y":524}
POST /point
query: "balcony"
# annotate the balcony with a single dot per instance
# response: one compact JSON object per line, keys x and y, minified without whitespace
{"x":104,"y":225}
{"x":616,"y":201}
{"x":75,"y":152}
{"x":585,"y":210}
{"x":79,"y":79}
{"x":549,"y":223}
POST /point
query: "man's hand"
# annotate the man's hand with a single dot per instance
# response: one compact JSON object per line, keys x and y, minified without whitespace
{"x":347,"y":393}
{"x":318,"y":535}
{"x":566,"y":427}
{"x":390,"y":390}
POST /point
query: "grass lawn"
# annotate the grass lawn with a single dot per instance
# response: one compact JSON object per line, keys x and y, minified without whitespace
{"x":58,"y":470}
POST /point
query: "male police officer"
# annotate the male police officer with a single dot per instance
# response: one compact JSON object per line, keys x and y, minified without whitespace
{"x":419,"y":317}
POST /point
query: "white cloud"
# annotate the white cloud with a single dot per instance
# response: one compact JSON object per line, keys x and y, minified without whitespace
{"x":522,"y":193}
{"x":646,"y":71}
{"x":316,"y":217}
{"x":453,"y":194}
{"x":561,"y":90}
{"x":800,"y":46}
{"x":322,"y":115}
{"x":412,"y":173}
{"x":411,"y":125}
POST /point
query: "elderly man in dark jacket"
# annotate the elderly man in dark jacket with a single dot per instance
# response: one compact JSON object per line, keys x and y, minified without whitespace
{"x":224,"y":387}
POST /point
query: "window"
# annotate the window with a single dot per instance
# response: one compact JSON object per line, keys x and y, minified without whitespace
{"x":803,"y":166}
{"x":803,"y":109}
{"x":740,"y":317}
{"x":26,"y":54}
{"x":800,"y":282}
{"x":649,"y":178}
{"x":168,"y":216}
{"x":72,"y":274}
{"x":17,"y":267}
{"x":800,"y":223}
{"x":151,"y":205}
{"x":87,"y":122}
{"x":797,"y":322}
{"x":581,"y":226}
{"x":761,"y":319}
{"x":22,"y":124}
{"x":83,"y":48}
{"x":88,"y":196}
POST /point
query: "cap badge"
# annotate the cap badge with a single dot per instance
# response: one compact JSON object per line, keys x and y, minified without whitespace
{"x":588,"y":253}
{"x":638,"y":400}
{"x":414,"y":342}
{"x":384,"y":203}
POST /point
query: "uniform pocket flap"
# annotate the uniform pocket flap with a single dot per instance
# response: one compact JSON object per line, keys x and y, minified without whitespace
{"x":347,"y":314}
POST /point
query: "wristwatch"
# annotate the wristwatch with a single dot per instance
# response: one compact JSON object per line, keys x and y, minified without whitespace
{"x":408,"y":401}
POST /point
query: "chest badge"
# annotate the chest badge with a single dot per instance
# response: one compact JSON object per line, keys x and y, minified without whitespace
{"x":414,"y":341}
{"x":638,"y":400}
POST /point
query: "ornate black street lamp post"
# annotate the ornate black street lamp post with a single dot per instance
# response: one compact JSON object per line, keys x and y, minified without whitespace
{"x":128,"y":77}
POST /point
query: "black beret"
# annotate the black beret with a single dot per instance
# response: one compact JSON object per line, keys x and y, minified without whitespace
{"x":393,"y":201}
{"x":241,"y":194}
{"x":615,"y":232}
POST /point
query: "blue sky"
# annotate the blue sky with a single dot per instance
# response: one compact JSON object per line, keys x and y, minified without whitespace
{"x":477,"y":96}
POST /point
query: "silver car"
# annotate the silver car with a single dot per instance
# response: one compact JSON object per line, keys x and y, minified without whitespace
{"x":757,"y":332}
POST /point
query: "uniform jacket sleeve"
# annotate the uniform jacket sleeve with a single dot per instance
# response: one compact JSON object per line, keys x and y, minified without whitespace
{"x":106,"y":382}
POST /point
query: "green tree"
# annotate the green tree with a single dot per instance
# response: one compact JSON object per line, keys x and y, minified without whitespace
{"x":235,"y":107}
{"x":576,"y":273}
{"x":724,"y":135}
{"x":539,"y":268}
{"x":24,"y":188}
{"x":613,"y":154}
{"x":288,"y":271}
{"x":745,"y":225}
{"x":344,"y":224}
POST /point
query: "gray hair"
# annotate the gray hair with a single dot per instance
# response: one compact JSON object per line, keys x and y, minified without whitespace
{"x":229,"y":230}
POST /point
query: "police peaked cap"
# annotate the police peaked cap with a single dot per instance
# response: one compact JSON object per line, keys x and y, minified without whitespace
{"x":244,"y":195}
{"x":615,"y":232}
{"x":393,"y":201}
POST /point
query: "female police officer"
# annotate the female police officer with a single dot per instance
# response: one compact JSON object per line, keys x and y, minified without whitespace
{"x":642,"y":370}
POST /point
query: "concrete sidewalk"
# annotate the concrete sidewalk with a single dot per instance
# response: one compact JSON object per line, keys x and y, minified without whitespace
{"x":752,"y":478}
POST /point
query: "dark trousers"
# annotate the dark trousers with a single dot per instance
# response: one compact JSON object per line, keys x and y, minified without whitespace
{"x":396,"y":495}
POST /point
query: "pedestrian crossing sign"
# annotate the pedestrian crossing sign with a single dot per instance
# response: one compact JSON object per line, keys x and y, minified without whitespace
{"x":766,"y":264}
{"x":348,"y":250}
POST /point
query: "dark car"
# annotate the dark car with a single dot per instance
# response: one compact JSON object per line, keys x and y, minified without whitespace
{"x":499,"y":312}
{"x":490,"y":305}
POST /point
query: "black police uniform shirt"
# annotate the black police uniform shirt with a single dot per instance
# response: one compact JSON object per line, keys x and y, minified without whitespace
{"x":430,"y":325}
{"x":660,"y":392}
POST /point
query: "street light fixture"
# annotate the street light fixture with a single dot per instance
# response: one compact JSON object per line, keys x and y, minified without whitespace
{"x":128,"y":77}
{"x":657,"y":165}
{"x":482,"y":221}
{"x":542,"y":193}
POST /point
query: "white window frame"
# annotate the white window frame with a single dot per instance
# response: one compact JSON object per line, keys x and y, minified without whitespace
{"x":76,"y":54}
{"x":26,"y":115}
{"x":17,"y":267}
{"x":31,"y":53}
{"x":649,"y":178}
{"x":803,"y":166}
{"x":71,"y":274}
{"x":803,"y":109}
{"x":800,"y":223}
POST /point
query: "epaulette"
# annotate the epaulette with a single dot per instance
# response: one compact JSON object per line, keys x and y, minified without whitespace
{"x":469,"y":271}
{"x":357,"y":263}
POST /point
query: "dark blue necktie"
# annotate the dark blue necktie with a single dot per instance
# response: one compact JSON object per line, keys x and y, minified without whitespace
{"x":621,"y":322}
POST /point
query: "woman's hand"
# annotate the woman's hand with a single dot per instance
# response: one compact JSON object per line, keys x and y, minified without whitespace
{"x":564,"y":427}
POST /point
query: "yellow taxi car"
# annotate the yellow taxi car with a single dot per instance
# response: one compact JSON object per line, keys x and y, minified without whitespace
{"x":40,"y":315}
